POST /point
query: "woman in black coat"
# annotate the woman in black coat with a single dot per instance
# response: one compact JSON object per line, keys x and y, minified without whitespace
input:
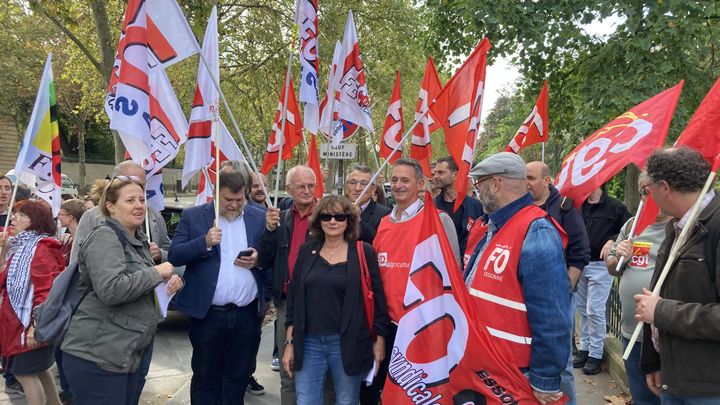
{"x":327,"y":325}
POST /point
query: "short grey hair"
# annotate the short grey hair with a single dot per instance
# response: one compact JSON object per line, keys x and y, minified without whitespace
{"x":294,"y":169}
{"x":412,"y":163}
{"x":125,"y":165}
{"x":357,"y":167}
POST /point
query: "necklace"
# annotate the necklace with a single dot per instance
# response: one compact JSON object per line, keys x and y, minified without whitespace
{"x":331,"y":254}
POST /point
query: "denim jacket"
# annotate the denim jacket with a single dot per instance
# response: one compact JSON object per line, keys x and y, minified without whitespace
{"x":546,"y":289}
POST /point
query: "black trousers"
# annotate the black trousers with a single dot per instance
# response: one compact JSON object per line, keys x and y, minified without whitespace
{"x":92,"y":385}
{"x":370,"y":395}
{"x":224,"y":348}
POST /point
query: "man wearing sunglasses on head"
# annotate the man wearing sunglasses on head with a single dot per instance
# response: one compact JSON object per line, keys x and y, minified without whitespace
{"x":370,"y":212}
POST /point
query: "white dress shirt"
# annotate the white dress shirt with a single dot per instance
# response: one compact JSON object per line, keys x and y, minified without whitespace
{"x":409,"y":211}
{"x":235,"y":284}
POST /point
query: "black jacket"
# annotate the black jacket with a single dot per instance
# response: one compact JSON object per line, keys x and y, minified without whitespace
{"x":603,"y":222}
{"x":472,"y":209}
{"x":370,"y":220}
{"x":355,"y":340}
{"x":275,"y":250}
{"x":562,"y":210}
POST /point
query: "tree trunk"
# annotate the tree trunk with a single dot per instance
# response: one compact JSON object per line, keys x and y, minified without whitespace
{"x":632,"y":196}
{"x":80,"y":128}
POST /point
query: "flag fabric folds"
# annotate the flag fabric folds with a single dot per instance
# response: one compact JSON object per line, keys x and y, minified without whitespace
{"x":229,"y":150}
{"x":205,"y":106}
{"x":354,"y":101}
{"x":394,"y":127}
{"x":40,"y":151}
{"x":442,"y":353}
{"x":457,"y":108}
{"x":314,"y":164}
{"x":420,"y":147}
{"x":331,"y":124}
{"x":307,"y":22}
{"x":293,"y":130}
{"x":154,"y":35}
{"x":536,"y":126}
{"x":629,"y":138}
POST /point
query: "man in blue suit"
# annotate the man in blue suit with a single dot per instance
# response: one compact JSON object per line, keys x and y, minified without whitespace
{"x":223,"y":293}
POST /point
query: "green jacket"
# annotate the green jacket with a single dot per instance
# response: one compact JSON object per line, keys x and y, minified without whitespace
{"x":117,"y":320}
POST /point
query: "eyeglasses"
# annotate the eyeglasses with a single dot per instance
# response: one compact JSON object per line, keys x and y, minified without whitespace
{"x":337,"y":217}
{"x":308,"y":187}
{"x":353,"y":183}
{"x":644,"y":190}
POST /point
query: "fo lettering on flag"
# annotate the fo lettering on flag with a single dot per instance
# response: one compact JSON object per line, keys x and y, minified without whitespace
{"x":394,"y":127}
{"x":39,"y":157}
{"x":536,"y":126}
{"x":442,"y":353}
{"x":293,"y":130}
{"x":154,"y":35}
{"x":629,"y":138}
{"x":307,"y":22}
{"x":421,"y":147}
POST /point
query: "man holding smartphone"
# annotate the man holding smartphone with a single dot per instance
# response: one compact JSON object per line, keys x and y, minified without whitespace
{"x":223,"y":292}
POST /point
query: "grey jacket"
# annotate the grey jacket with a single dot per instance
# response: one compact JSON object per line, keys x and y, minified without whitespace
{"x":117,"y":320}
{"x":93,"y":217}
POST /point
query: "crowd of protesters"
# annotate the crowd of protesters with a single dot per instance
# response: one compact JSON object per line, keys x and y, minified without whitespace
{"x":308,"y":257}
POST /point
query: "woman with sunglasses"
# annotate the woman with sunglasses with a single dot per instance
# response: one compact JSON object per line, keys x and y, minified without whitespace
{"x":116,"y":320}
{"x":327,"y":326}
{"x":33,"y":261}
{"x":638,"y":254}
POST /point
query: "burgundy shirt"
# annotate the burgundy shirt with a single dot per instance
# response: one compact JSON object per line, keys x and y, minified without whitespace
{"x":301,"y":224}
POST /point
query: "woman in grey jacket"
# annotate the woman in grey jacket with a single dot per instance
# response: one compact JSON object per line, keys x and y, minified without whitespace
{"x":117,"y":319}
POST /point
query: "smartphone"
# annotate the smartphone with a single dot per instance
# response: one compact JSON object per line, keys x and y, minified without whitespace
{"x":245,"y":253}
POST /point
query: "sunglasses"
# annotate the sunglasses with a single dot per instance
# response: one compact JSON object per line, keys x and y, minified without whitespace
{"x":337,"y":217}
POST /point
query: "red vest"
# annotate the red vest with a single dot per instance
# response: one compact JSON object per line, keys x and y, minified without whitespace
{"x":395,"y":244}
{"x":496,"y":289}
{"x":475,"y":234}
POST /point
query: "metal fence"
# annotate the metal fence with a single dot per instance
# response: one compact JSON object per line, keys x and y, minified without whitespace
{"x":612,"y":312}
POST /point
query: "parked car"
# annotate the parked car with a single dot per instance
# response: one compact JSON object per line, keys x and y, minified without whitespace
{"x":69,"y":188}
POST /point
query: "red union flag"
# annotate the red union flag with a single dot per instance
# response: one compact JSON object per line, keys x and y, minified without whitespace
{"x":229,"y":150}
{"x":354,"y":102}
{"x":293,"y":130}
{"x":420,"y":146}
{"x":442,"y":353}
{"x":154,"y":35}
{"x":394,"y":126}
{"x":457,"y":108}
{"x":629,"y":138}
{"x":536,"y":126}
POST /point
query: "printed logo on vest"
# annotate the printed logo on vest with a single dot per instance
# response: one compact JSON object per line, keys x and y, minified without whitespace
{"x":382,"y":258}
{"x":499,"y":257}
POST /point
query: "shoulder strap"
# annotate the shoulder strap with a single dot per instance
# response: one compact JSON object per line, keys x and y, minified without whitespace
{"x":366,"y":283}
{"x":120,"y":234}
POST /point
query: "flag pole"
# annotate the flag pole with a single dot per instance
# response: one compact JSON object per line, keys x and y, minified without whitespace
{"x":674,"y":250}
{"x":395,"y":149}
{"x":631,"y":234}
{"x":147,"y":216}
{"x":542,"y":153}
{"x":10,"y":205}
{"x":283,"y":115}
{"x":216,"y":119}
{"x":372,"y":145}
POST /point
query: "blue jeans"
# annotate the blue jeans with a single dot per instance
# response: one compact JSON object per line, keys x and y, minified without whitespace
{"x":224,"y":344}
{"x":92,"y":385}
{"x":567,"y":379}
{"x":320,"y":353}
{"x":641,"y":394}
{"x":144,"y":369}
{"x":593,"y":290}
{"x":672,"y":399}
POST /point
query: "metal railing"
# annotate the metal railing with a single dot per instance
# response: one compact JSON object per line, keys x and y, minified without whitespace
{"x":612,"y":311}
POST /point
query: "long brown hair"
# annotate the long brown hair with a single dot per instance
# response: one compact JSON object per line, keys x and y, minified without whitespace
{"x":333,"y":204}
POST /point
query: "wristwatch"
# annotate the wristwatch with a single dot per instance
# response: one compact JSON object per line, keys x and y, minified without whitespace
{"x":288,"y":342}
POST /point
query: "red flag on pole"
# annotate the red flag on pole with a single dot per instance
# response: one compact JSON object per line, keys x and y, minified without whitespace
{"x":394,"y":127}
{"x":314,"y":164}
{"x":536,"y":126}
{"x":420,"y":147}
{"x":629,"y":138}
{"x":457,"y":109}
{"x":293,"y":131}
{"x":443,"y":354}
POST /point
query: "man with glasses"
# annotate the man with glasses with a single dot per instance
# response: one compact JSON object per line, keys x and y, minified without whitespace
{"x":577,"y":253}
{"x":285,"y":232}
{"x":371,"y":212}
{"x":517,"y":276}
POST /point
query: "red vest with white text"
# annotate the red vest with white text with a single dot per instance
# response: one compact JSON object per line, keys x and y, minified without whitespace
{"x":394,"y":244}
{"x":475,"y":235}
{"x":496,"y":289}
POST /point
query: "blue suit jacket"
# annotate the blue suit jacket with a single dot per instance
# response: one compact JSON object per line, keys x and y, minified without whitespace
{"x":188,"y":248}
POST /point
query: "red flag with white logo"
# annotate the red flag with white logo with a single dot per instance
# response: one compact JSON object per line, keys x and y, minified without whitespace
{"x":154,"y":35}
{"x":314,"y":164}
{"x":293,"y":130}
{"x":457,"y":109}
{"x":442,"y":354}
{"x":229,"y":150}
{"x":536,"y":126}
{"x":420,"y":146}
{"x":394,"y":126}
{"x":353,"y":102}
{"x":629,"y":138}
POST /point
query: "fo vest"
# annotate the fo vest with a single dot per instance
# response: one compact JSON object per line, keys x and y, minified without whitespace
{"x":496,"y":288}
{"x":475,"y":234}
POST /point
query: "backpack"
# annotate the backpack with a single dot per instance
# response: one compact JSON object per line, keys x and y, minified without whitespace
{"x":52,"y":317}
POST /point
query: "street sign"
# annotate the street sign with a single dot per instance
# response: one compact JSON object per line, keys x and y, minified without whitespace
{"x":343,"y":151}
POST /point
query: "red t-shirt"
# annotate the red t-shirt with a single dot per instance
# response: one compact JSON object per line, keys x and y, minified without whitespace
{"x":301,"y":224}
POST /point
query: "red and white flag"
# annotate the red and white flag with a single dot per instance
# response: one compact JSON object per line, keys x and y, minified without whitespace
{"x":229,"y":150}
{"x":702,"y":133}
{"x":536,"y":126}
{"x":394,"y":127}
{"x":331,"y":124}
{"x":354,"y":102}
{"x":421,"y":147}
{"x":154,"y":35}
{"x":307,"y":22}
{"x":293,"y":130}
{"x":629,"y":138}
{"x":205,"y":106}
{"x":314,"y":164}
{"x":457,"y":108}
{"x":443,"y":354}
